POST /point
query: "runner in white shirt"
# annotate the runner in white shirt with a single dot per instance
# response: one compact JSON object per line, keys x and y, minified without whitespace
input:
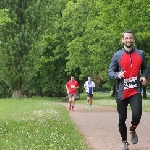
{"x":89,"y":85}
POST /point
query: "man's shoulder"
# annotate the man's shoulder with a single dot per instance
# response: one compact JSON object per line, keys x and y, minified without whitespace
{"x":93,"y":83}
{"x":69,"y":81}
{"x":118,"y":54}
{"x":74,"y":82}
{"x":121,"y":51}
{"x":140,"y":52}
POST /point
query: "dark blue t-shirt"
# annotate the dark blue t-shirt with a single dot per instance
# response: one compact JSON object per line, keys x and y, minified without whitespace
{"x":90,"y":87}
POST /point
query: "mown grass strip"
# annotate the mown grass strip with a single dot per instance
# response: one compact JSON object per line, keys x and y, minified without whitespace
{"x":29,"y":124}
{"x":104,"y":99}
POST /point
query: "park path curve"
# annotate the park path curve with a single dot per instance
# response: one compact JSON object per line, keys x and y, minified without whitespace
{"x":99,"y":126}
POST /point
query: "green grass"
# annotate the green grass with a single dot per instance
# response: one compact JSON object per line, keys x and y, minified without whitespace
{"x":37,"y":124}
{"x":42,"y":124}
{"x":104,"y":99}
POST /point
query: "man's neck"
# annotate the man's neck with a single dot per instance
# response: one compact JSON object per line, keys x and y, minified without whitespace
{"x":128,"y":49}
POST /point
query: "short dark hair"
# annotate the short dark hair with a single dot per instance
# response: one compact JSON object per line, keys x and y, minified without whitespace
{"x":126,"y":31}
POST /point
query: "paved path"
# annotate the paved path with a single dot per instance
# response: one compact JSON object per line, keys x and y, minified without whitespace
{"x":99,"y":126}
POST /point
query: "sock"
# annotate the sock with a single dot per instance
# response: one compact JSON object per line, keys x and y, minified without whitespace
{"x":132,"y":128}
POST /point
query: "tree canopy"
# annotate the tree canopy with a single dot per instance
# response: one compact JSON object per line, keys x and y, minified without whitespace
{"x":47,"y":41}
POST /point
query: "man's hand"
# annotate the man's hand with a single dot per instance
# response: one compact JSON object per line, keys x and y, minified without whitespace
{"x":121,"y":74}
{"x":67,"y":91}
{"x":85,"y":88}
{"x":143,"y":81}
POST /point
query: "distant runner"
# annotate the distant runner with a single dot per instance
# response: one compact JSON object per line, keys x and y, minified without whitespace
{"x":71,"y":87}
{"x":89,"y":85}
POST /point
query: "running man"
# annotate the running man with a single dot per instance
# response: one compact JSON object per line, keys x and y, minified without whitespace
{"x":128,"y":67}
{"x":89,"y":85}
{"x":71,"y":87}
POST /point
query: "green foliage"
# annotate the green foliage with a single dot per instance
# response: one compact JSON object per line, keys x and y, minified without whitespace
{"x":4,"y":16}
{"x":20,"y":41}
{"x":51,"y":76}
{"x":95,"y":28}
{"x":37,"y":124}
{"x":47,"y":41}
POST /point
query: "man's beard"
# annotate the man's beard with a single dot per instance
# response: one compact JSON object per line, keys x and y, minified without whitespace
{"x":128,"y":46}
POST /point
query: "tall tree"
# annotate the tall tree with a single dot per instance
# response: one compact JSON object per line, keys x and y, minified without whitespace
{"x":51,"y":75}
{"x":21,"y":47}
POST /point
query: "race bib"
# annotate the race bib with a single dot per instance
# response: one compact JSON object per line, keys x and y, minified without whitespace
{"x":130,"y":83}
{"x":72,"y":86}
{"x":90,"y":84}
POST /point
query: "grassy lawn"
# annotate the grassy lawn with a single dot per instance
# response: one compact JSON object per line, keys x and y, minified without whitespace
{"x":42,"y":124}
{"x":105,"y":99}
{"x":37,"y":124}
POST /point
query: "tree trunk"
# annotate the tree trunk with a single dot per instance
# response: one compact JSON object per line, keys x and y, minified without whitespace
{"x":4,"y":93}
{"x":144,"y":92}
{"x":17,"y":93}
{"x":114,"y":91}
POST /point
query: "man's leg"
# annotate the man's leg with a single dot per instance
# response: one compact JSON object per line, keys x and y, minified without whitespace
{"x":122,"y":110}
{"x":70,"y":101}
{"x":73,"y":101}
{"x":136,"y":107}
{"x":88,"y":99}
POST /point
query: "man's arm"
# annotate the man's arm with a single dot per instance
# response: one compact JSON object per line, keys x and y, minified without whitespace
{"x":144,"y":71}
{"x":113,"y":67}
{"x":85,"y":87}
{"x":77,"y":86}
{"x":93,"y":84}
{"x":67,"y":89}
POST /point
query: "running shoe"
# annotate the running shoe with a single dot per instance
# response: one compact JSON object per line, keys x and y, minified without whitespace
{"x":90,"y":108}
{"x":134,"y":137}
{"x":72,"y":108}
{"x":87,"y":105}
{"x":69,"y":107}
{"x":125,"y":145}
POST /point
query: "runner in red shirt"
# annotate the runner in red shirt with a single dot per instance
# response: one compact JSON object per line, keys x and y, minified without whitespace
{"x":72,"y":87}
